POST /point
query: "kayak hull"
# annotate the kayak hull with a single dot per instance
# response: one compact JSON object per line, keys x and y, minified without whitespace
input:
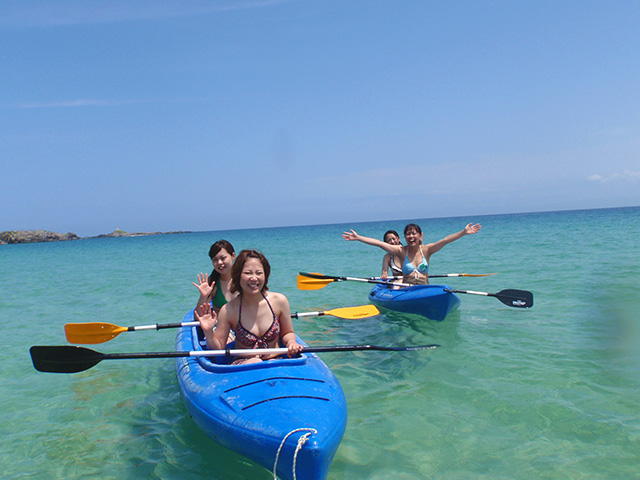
{"x":253,"y":409}
{"x":431,"y":301}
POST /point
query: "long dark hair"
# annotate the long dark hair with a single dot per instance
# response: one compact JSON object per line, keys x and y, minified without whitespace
{"x":213,"y":251}
{"x":238,"y":266}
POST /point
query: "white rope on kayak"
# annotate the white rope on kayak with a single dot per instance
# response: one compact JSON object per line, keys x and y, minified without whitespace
{"x":301,"y":441}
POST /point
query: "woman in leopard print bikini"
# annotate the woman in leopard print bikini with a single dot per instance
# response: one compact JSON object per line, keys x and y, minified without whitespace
{"x":259,"y":318}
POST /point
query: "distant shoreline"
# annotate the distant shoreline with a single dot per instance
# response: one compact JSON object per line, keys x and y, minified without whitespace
{"x":41,"y":236}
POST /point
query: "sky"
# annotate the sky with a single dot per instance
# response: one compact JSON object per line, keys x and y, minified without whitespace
{"x":215,"y":115}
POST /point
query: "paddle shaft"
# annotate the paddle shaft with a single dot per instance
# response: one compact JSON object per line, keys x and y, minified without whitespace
{"x":308,"y":314}
{"x":73,"y":359}
{"x":159,"y":326}
{"x":331,"y":278}
{"x":462,"y":275}
{"x":443,"y":275}
{"x":511,"y":297}
{"x":257,"y":351}
{"x":98,"y":332}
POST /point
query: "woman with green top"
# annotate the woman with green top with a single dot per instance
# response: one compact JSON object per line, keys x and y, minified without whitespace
{"x":215,"y":288}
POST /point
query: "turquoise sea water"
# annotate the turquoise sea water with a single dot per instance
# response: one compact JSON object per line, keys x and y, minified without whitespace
{"x":549,"y":392}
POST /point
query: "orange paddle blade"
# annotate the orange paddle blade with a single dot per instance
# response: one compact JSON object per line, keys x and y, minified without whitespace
{"x":306,"y":283}
{"x":94,"y":332}
{"x":354,"y":313}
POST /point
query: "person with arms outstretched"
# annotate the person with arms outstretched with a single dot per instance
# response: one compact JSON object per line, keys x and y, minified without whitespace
{"x":415,"y":255}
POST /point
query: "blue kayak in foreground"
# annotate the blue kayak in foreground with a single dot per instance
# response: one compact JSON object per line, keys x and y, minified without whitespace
{"x":262,"y":410}
{"x":431,"y":301}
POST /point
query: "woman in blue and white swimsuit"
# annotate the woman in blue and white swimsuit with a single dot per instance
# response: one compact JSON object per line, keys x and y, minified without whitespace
{"x":389,"y":261}
{"x":259,"y":318}
{"x":416,"y":255}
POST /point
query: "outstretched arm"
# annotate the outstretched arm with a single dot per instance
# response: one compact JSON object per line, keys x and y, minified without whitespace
{"x":468,"y":230}
{"x":352,"y":235}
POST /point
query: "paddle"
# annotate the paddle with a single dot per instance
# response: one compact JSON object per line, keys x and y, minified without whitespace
{"x":350,"y":313}
{"x":445,"y":275}
{"x":316,"y":281}
{"x":512,"y":298}
{"x":98,"y":332}
{"x":72,"y":359}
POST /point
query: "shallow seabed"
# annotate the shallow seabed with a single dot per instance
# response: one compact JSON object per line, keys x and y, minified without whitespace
{"x":549,"y":392}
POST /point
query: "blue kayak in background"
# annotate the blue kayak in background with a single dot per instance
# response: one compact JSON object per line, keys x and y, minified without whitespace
{"x":259,"y":409}
{"x":431,"y":301}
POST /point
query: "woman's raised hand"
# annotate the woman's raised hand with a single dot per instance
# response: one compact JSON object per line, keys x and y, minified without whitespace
{"x":208,"y":318}
{"x":350,"y":235}
{"x":203,"y":285}
{"x":471,"y":228}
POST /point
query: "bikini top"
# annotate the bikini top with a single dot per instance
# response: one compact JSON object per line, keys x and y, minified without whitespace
{"x":408,"y":267}
{"x":394,"y":268}
{"x":218,"y":299}
{"x":245,"y":337}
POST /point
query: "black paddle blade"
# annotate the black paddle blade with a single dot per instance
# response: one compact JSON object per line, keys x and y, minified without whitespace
{"x":319,"y":276}
{"x":64,"y":359}
{"x":417,"y":347}
{"x":515,"y":298}
{"x":405,"y":349}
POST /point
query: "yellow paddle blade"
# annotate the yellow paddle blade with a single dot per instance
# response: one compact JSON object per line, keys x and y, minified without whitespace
{"x":476,"y":275}
{"x":306,"y":283}
{"x":94,"y":332}
{"x":354,"y":313}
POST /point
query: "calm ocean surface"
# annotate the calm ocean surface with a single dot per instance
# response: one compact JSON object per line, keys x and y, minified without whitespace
{"x":550,"y":392}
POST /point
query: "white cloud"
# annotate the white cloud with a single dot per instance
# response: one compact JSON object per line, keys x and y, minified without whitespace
{"x":625,"y":175}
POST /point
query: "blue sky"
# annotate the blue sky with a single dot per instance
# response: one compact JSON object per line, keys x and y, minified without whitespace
{"x":210,"y":115}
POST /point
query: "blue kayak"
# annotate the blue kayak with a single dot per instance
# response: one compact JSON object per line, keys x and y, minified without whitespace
{"x":257,"y":409}
{"x":431,"y":301}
